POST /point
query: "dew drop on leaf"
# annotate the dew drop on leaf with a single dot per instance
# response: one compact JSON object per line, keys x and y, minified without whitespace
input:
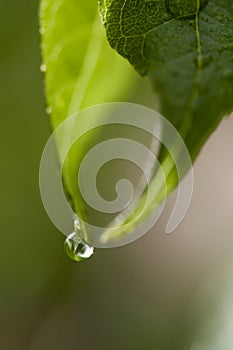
{"x":43,"y":68}
{"x":76,"y":249}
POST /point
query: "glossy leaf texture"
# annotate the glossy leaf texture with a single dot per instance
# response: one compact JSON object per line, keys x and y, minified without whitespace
{"x":79,"y":66}
{"x":81,"y":70}
{"x":186,"y":49}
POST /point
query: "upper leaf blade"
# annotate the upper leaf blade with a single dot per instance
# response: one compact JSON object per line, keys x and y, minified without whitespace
{"x":186,"y":51}
{"x":77,"y":59}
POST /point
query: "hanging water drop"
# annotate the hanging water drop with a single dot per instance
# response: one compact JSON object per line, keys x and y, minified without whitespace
{"x":43,"y":68}
{"x":76,"y":249}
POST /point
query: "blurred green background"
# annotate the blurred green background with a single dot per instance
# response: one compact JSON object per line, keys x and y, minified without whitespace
{"x":161,"y":292}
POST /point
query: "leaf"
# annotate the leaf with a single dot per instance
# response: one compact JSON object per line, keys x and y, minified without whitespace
{"x":186,"y":51}
{"x":185,"y":47}
{"x":81,"y":70}
{"x":76,"y":56}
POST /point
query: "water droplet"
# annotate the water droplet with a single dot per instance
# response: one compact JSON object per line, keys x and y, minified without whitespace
{"x":43,"y":68}
{"x":76,"y":249}
{"x":48,"y":110}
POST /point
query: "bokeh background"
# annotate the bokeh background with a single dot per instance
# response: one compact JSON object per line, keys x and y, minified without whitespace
{"x":161,"y":292}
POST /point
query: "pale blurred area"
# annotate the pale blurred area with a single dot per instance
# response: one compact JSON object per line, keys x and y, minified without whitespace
{"x":161,"y":292}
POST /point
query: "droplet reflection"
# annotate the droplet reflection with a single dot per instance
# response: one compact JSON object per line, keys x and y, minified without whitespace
{"x":43,"y":68}
{"x":76,"y":249}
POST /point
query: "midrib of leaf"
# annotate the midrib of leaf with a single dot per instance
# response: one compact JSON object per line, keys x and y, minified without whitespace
{"x":188,"y":116}
{"x":89,"y":65}
{"x":90,"y":61}
{"x":187,"y":120}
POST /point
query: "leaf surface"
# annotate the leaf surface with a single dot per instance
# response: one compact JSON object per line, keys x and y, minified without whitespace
{"x":186,"y":49}
{"x":81,"y":70}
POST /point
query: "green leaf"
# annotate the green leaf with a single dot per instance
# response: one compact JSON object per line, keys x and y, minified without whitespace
{"x":76,"y":59}
{"x":185,"y":47}
{"x":81,"y":70}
